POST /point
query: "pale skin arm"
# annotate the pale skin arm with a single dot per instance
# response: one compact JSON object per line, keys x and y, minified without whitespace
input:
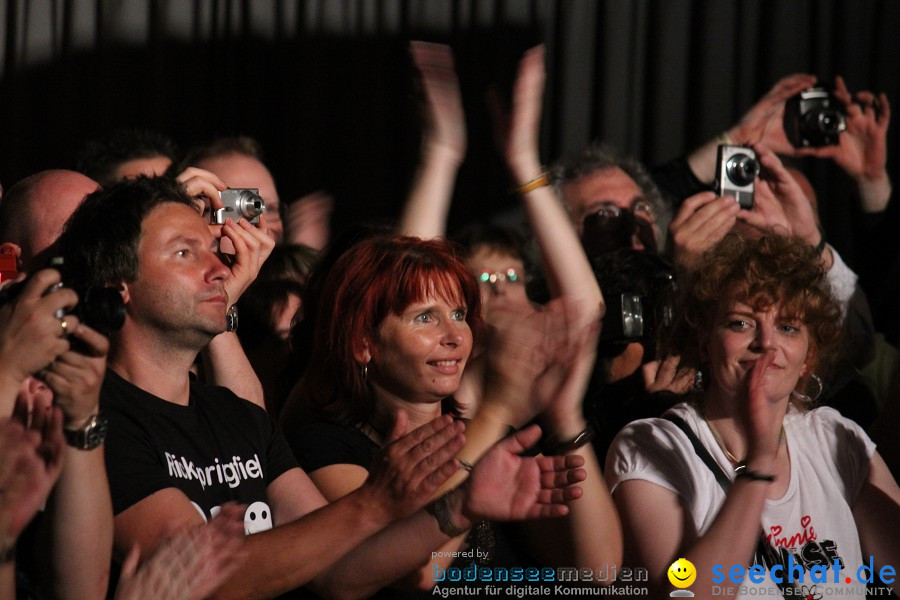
{"x":567,"y":267}
{"x":79,"y":511}
{"x":310,"y":535}
{"x":657,"y":527}
{"x":443,"y":144}
{"x":224,"y":360}
{"x":762,"y":123}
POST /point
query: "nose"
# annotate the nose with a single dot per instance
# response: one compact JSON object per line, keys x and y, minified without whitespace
{"x":763,"y":340}
{"x":452,"y":334}
{"x":216,"y":269}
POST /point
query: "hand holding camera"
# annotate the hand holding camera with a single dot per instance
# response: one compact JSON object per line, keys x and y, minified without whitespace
{"x":34,"y":326}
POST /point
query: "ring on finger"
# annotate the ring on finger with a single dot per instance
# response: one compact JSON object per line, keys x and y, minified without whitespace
{"x":64,"y":326}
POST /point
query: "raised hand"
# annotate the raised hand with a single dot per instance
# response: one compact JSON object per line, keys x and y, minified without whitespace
{"x":307,"y":220}
{"x":505,"y":486}
{"x":31,"y":458}
{"x":406,"y":472}
{"x":665,"y":376}
{"x":862,"y":148}
{"x":252,"y":246}
{"x":517,"y":133}
{"x":76,"y":376}
{"x":762,"y":420}
{"x":781,"y":205}
{"x":189,"y":565}
{"x":445,"y":123}
{"x":701,"y":222}
{"x":764,"y":121}
{"x":31,"y":335}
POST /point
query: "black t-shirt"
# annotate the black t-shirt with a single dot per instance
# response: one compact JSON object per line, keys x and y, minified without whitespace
{"x":217,"y":449}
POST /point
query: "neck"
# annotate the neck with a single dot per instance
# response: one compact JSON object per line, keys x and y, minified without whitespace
{"x":160,"y":369}
{"x":387,"y":406}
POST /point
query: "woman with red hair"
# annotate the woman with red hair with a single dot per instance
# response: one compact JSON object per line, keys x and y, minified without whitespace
{"x":392,"y":335}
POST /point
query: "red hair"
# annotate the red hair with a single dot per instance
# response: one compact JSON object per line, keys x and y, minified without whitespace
{"x":372,"y":279}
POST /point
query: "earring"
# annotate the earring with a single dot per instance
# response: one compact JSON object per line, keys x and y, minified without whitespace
{"x":699,"y":384}
{"x":810,"y":398}
{"x":365,"y":372}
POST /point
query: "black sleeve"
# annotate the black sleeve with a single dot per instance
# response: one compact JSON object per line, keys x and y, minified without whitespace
{"x":322,"y":444}
{"x":676,"y":180}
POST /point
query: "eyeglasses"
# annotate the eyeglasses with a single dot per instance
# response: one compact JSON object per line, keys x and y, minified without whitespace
{"x":608,"y":210}
{"x":509,"y":276}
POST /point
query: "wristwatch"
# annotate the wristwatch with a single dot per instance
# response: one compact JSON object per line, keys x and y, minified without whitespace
{"x":90,"y":435}
{"x":231,"y":319}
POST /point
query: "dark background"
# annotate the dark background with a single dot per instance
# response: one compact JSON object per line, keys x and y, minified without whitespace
{"x":327,"y":85}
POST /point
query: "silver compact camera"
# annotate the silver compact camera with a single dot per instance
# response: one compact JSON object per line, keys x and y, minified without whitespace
{"x":239,"y":203}
{"x":737,"y":168}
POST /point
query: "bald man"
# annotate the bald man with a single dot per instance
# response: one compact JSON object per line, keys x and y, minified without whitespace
{"x":34,"y":210}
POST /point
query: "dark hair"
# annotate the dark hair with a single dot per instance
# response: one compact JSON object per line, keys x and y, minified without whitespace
{"x":100,"y":158}
{"x":100,"y":241}
{"x":221,"y":146}
{"x":761,"y":271}
{"x":494,"y":237}
{"x":373,"y":278}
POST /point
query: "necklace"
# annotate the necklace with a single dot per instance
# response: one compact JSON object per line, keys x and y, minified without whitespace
{"x":731,"y":457}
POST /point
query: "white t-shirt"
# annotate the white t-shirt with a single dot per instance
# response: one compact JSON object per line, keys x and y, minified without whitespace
{"x":829,"y":457}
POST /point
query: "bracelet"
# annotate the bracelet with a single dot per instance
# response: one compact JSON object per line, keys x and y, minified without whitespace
{"x":741,"y":470}
{"x":464,"y":464}
{"x":556,"y":448}
{"x":542,"y":180}
{"x":440,"y":510}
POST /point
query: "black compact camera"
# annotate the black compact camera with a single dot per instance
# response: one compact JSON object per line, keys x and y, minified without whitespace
{"x":737,"y":168}
{"x":813,"y":118}
{"x":100,"y":308}
{"x":641,"y":292}
{"x":239,"y":203}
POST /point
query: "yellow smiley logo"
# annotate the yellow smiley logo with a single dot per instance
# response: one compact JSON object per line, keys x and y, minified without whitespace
{"x":682,"y":573}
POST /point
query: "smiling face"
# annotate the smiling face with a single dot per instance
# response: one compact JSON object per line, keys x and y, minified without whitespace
{"x":682,"y":573}
{"x":741,"y":334}
{"x":419,"y":355}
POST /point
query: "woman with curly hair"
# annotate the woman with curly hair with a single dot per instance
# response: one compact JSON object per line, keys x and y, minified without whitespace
{"x":748,"y":473}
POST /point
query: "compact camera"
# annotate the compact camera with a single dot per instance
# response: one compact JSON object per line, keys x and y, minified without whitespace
{"x":239,"y":203}
{"x":814,"y":117}
{"x":100,"y":308}
{"x":737,"y":168}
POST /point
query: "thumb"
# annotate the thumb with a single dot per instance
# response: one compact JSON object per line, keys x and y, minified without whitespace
{"x":131,"y":562}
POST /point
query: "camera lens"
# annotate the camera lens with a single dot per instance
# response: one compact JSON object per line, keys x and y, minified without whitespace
{"x":250,"y":205}
{"x":742,"y":169}
{"x":830,"y":122}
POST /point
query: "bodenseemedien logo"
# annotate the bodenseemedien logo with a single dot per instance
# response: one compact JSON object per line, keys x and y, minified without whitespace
{"x":682,"y":574}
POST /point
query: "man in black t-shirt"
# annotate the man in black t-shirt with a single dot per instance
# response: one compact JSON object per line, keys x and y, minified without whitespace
{"x":176,"y":449}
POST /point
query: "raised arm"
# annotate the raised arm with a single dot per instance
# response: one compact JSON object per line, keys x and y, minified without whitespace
{"x":566,"y":265}
{"x":224,"y":360}
{"x":658,"y":528}
{"x":78,"y":514}
{"x":443,"y":143}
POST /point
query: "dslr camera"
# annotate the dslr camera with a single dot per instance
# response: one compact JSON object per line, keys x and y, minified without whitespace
{"x":100,"y":308}
{"x":813,"y":118}
{"x":737,"y":168}
{"x":239,"y":203}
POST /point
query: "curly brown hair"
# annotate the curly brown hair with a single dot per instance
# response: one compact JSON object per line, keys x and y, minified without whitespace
{"x":762,"y":272}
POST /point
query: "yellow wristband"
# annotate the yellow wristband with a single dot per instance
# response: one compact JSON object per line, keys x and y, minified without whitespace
{"x":540,"y":181}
